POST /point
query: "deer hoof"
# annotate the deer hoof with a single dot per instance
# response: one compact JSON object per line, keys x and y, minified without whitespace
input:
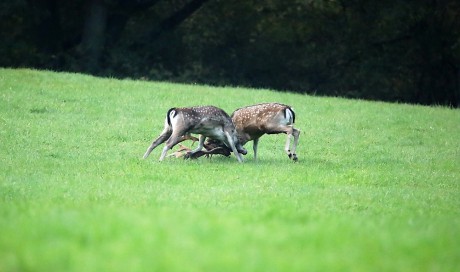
{"x":294,"y":157}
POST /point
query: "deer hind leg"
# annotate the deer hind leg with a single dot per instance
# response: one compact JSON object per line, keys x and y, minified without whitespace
{"x":287,"y":146}
{"x":161,"y":139}
{"x":296,"y":134}
{"x":291,"y":152}
{"x":175,"y":138}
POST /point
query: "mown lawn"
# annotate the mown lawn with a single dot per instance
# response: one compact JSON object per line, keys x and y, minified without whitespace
{"x":376,"y":188}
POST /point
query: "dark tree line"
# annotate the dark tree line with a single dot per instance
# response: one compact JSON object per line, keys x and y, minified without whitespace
{"x":392,"y":50}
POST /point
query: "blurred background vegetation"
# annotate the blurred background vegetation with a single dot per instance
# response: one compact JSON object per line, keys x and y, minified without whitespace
{"x":406,"y":51}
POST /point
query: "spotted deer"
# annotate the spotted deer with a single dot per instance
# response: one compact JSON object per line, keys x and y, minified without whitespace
{"x":208,"y":121}
{"x":252,"y":122}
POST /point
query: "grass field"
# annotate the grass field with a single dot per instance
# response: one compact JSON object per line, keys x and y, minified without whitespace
{"x":376,"y":188}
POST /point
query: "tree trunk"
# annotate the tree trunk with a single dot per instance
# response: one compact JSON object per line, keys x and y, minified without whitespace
{"x":177,"y":18}
{"x":93,"y":39}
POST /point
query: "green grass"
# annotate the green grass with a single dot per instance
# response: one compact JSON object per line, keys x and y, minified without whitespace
{"x":376,"y":188}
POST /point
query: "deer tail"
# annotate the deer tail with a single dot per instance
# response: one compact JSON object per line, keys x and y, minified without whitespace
{"x":171,"y":113}
{"x":289,"y":114}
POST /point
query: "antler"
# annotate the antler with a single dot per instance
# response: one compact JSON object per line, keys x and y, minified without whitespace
{"x":182,"y":151}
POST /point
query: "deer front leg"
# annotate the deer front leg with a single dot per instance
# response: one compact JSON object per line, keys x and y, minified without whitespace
{"x":254,"y":147}
{"x":232,"y":146}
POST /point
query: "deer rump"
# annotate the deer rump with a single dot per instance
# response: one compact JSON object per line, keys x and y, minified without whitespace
{"x":254,"y":121}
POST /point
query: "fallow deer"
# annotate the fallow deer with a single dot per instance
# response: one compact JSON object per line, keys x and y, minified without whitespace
{"x":208,"y":121}
{"x":252,"y":122}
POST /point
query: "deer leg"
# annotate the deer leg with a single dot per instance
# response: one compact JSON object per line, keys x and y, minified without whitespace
{"x":200,"y":145}
{"x":232,"y":146}
{"x":161,"y":139}
{"x":172,"y":141}
{"x":287,"y":147}
{"x":254,"y":147}
{"x":296,"y":134}
{"x":291,"y":152}
{"x":197,"y":149}
{"x":291,"y":131}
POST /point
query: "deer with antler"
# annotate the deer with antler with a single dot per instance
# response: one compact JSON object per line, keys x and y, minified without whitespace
{"x":208,"y":121}
{"x":252,"y":122}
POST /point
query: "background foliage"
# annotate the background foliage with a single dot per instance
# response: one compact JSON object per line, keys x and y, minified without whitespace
{"x":392,"y":50}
